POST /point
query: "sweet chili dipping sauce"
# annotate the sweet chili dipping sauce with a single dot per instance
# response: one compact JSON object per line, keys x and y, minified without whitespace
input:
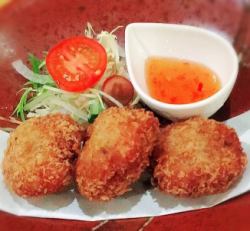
{"x":178,"y":81}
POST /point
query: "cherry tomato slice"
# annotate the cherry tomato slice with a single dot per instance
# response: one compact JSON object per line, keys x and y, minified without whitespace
{"x":118,"y":87}
{"x":76,"y":63}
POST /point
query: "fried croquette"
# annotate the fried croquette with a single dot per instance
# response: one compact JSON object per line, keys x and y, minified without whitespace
{"x":117,"y":152}
{"x":40,"y":155}
{"x":197,"y":157}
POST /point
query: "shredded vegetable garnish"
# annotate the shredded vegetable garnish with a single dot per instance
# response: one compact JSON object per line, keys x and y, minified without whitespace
{"x":116,"y":61}
{"x":41,"y":96}
{"x":10,"y":120}
{"x":30,"y":75}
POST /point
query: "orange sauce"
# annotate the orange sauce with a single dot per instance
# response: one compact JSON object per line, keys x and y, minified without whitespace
{"x":178,"y":81}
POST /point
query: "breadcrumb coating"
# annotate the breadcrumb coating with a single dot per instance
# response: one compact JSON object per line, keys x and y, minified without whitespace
{"x":40,"y":154}
{"x":117,"y":152}
{"x":198,"y":157}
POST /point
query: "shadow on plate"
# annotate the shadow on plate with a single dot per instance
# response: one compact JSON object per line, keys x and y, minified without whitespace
{"x":223,"y":113}
{"x":118,"y":205}
{"x":54,"y":201}
{"x":178,"y":204}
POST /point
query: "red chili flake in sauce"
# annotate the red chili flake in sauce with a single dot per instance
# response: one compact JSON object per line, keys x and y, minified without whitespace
{"x":178,"y":81}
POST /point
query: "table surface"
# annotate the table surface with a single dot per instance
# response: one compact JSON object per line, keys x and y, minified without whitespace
{"x":35,"y":25}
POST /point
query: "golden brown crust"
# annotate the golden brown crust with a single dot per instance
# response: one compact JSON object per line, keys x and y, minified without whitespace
{"x":116,"y":153}
{"x":198,"y":157}
{"x":39,"y":155}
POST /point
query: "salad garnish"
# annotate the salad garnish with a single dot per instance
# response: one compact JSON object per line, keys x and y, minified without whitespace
{"x":70,"y":78}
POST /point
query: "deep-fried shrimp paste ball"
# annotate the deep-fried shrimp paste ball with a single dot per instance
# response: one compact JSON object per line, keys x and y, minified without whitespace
{"x":117,"y":152}
{"x":198,"y":157}
{"x":40,"y":155}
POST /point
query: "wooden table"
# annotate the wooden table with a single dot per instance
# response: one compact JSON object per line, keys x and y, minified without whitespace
{"x":33,"y":26}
